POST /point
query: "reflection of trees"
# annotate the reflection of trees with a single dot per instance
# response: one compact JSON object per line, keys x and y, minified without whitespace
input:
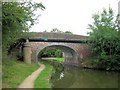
{"x":64,"y":81}
{"x":85,"y":78}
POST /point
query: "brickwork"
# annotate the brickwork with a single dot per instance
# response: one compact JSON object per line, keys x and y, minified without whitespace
{"x":74,"y":53}
{"x":59,"y":35}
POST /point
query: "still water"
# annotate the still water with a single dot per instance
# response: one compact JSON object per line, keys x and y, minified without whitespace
{"x":72,"y":77}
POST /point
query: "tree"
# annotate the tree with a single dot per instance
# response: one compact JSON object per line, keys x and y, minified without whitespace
{"x":68,"y":32}
{"x":47,"y":52}
{"x":50,"y":52}
{"x":59,"y":31}
{"x":106,"y":37}
{"x":17,"y":18}
{"x":45,"y":31}
{"x":58,"y":53}
{"x":56,"y":30}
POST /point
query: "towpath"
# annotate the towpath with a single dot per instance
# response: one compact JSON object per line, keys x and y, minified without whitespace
{"x":29,"y":81}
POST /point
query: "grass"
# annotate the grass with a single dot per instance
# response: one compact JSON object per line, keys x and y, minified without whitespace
{"x":43,"y":79}
{"x":14,"y":72}
{"x":60,"y":59}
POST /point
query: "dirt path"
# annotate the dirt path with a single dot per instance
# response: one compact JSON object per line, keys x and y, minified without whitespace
{"x":29,"y":81}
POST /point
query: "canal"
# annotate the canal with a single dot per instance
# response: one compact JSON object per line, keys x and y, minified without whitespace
{"x":73,"y":77}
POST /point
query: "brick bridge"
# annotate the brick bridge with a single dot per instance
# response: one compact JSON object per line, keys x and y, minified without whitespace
{"x":74,"y":52}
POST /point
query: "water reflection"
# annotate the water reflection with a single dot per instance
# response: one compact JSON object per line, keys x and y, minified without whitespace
{"x":73,"y":77}
{"x":61,"y":75}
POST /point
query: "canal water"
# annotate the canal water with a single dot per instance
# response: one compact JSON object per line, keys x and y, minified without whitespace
{"x":73,"y":77}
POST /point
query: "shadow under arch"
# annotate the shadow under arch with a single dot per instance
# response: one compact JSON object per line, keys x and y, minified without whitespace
{"x":70,"y":54}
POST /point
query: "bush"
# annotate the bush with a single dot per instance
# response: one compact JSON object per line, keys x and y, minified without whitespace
{"x":107,"y":62}
{"x":106,"y":37}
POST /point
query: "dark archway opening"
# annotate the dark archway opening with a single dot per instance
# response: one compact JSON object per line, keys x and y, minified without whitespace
{"x":70,"y":55}
{"x":51,"y":53}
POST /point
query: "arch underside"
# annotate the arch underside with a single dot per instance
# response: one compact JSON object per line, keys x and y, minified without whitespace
{"x":71,"y":56}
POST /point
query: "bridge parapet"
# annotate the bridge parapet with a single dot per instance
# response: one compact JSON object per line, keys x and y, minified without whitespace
{"x":75,"y":51}
{"x":59,"y":35}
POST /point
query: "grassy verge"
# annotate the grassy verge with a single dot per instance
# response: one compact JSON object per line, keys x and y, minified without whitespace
{"x":14,"y":72}
{"x":43,"y":79}
{"x":60,"y":59}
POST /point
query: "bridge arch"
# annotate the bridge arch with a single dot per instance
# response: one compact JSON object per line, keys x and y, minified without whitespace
{"x":74,"y":46}
{"x":70,"y":54}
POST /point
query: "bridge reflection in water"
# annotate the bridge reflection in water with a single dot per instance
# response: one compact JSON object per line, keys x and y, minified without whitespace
{"x":73,"y":77}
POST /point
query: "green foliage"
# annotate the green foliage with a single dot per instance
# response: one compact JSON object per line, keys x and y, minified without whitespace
{"x":57,"y":65}
{"x":58,"y":53}
{"x":68,"y":32}
{"x":19,"y":43}
{"x":106,"y":37}
{"x":47,"y":52}
{"x":60,"y":59}
{"x":50,"y":52}
{"x":43,"y":79}
{"x":17,"y":17}
{"x":14,"y":72}
{"x":56,"y":30}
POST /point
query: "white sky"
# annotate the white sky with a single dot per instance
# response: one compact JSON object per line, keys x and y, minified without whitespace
{"x":70,"y":15}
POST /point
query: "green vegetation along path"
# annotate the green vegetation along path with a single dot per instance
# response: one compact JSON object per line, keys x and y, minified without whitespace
{"x":29,"y":81}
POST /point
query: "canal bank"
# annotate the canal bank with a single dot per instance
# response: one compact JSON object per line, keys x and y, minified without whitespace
{"x":74,"y":77}
{"x":29,"y":81}
{"x":43,"y":80}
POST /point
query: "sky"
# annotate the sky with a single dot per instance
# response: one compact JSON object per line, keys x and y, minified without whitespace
{"x":70,"y":15}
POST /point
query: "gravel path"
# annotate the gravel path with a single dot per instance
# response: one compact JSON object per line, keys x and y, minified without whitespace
{"x":29,"y":81}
